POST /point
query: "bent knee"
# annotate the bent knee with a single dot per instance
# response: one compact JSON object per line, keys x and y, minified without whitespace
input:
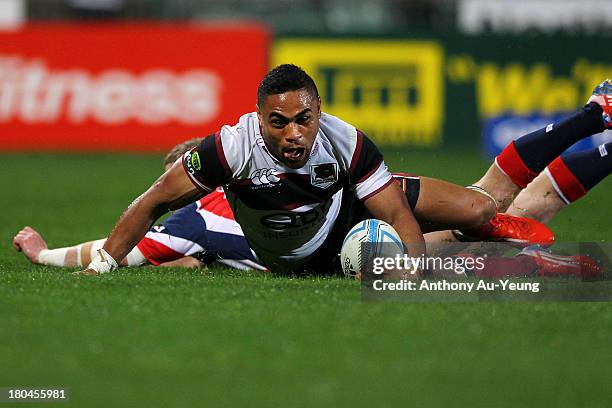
{"x":481,"y":209}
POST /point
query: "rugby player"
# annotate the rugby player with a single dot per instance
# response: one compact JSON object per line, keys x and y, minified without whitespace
{"x":535,"y":161}
{"x":200,"y":233}
{"x":524,"y":159}
{"x":205,"y":232}
{"x":297,"y":179}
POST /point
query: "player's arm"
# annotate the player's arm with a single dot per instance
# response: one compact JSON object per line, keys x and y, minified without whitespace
{"x":171,"y":191}
{"x":390,"y":205}
{"x":31,"y":243}
{"x":184,"y":262}
{"x":382,"y":196}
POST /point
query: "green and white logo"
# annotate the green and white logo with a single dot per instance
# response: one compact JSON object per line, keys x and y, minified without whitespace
{"x":195,"y":161}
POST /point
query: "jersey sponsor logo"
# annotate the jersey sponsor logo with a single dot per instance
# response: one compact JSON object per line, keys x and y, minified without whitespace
{"x":195,"y":161}
{"x":288,"y":224}
{"x":284,"y":220}
{"x":291,"y":224}
{"x":323,"y":175}
{"x":264,"y":177}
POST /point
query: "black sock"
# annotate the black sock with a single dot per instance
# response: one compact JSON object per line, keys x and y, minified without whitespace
{"x":590,"y":166}
{"x":539,"y":148}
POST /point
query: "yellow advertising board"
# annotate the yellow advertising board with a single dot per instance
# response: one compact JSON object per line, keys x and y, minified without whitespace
{"x":393,"y":90}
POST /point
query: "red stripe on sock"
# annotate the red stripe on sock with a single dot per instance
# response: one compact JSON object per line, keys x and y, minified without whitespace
{"x":569,"y":185}
{"x":511,"y":163}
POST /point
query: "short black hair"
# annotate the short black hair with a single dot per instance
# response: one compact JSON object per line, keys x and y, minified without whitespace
{"x":284,"y":78}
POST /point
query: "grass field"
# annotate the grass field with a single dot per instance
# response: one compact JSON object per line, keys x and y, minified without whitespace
{"x":182,"y":338}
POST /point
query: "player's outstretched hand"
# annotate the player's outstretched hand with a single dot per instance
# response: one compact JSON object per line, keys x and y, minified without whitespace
{"x":102,"y":262}
{"x":30,"y":242}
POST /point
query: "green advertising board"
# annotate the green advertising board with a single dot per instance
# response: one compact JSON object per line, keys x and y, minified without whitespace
{"x":440,"y":88}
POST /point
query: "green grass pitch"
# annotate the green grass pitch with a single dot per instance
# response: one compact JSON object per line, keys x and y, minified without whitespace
{"x":185,"y":338}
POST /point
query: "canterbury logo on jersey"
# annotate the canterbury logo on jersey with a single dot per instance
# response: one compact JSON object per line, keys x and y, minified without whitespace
{"x":264,"y":176}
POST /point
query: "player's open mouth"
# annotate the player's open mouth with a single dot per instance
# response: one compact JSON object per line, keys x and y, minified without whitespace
{"x":294,"y":154}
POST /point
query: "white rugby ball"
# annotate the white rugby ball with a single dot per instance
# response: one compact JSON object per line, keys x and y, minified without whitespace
{"x":367,"y":240}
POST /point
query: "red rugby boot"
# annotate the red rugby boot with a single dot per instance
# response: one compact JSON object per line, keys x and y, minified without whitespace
{"x":550,"y":265}
{"x":509,"y":228}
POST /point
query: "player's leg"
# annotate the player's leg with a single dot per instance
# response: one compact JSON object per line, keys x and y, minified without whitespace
{"x":439,"y":205}
{"x":538,"y":201}
{"x":522,"y":160}
{"x":565,"y":180}
{"x":442,"y":205}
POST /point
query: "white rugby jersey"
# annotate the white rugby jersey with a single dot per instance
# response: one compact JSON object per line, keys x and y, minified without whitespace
{"x":285,"y":213}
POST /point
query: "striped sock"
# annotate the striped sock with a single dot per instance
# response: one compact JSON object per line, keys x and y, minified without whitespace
{"x":574,"y":174}
{"x":523,"y":159}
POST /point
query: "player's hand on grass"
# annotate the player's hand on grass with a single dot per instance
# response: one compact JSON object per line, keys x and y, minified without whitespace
{"x":30,"y":242}
{"x":101,"y":263}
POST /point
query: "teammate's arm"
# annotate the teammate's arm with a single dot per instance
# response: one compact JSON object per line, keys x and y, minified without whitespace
{"x":391,"y":206}
{"x":33,"y":246}
{"x":171,"y":191}
{"x":184,"y":262}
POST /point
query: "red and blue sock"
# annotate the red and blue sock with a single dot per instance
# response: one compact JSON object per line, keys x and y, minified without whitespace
{"x":574,"y":174}
{"x":523,"y":159}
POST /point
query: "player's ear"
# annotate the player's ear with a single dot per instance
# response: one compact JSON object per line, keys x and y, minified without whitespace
{"x":319,"y":106}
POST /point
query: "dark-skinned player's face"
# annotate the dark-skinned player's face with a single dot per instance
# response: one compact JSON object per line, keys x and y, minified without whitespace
{"x":289,"y":124}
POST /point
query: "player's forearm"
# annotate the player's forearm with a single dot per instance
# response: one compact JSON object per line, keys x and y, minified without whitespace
{"x":184,"y":262}
{"x":391,"y":206}
{"x":133,"y":225}
{"x":172,"y":190}
{"x":410,"y":232}
{"x":77,"y":255}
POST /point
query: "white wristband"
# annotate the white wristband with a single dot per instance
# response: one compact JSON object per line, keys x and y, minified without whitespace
{"x":102,"y":262}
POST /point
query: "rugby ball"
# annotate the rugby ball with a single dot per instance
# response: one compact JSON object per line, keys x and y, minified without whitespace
{"x":367,"y":240}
